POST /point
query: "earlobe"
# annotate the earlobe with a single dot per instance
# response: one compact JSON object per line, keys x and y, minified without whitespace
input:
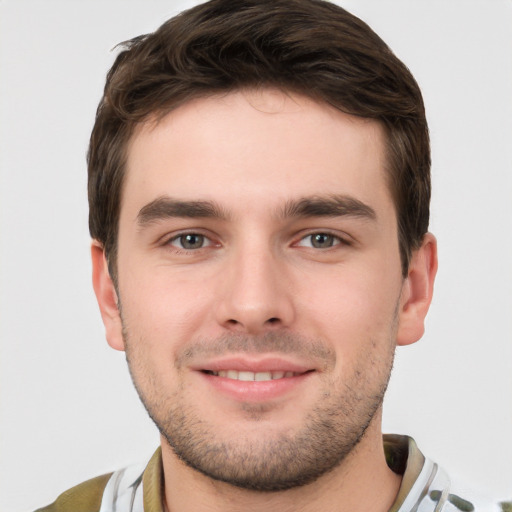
{"x":417,"y":291}
{"x":106,"y":296}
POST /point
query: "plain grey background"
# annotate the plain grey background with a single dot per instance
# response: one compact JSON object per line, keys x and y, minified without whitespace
{"x":68,"y":410}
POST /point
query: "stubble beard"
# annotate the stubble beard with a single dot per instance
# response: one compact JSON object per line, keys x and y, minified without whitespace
{"x":279,"y":461}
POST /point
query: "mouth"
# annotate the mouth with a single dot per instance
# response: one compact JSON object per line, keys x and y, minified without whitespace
{"x":247,"y":376}
{"x":254,"y":378}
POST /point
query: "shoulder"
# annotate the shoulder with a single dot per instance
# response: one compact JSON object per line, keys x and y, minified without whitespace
{"x":119,"y":490}
{"x":426,"y":487}
{"x":466,"y":497}
{"x":451,"y":495}
{"x":84,"y":497}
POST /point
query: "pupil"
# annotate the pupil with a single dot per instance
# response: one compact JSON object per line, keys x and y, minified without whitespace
{"x":192,"y":241}
{"x":322,"y":240}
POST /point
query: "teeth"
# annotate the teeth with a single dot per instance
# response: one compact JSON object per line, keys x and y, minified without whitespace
{"x":263,"y":376}
{"x":252,"y":376}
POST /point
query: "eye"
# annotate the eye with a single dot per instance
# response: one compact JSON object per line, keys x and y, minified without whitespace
{"x":190,"y":241}
{"x":320,"y":241}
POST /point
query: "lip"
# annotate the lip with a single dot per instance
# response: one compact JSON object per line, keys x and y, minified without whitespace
{"x":254,"y":391}
{"x":252,"y":364}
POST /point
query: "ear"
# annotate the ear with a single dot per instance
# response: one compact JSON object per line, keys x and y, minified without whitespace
{"x":417,"y":291}
{"x":106,"y":296}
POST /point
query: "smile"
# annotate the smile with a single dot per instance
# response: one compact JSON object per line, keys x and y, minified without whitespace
{"x":252,"y":376}
{"x":264,"y":382}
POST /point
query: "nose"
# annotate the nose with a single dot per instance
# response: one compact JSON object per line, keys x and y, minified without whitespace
{"x":255,"y":293}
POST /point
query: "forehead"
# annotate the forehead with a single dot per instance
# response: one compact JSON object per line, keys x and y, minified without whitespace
{"x":255,"y":144}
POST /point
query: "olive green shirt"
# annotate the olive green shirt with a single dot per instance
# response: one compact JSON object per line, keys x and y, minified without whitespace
{"x":425,"y":487}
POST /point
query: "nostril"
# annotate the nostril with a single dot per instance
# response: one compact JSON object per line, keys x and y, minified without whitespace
{"x":252,"y":325}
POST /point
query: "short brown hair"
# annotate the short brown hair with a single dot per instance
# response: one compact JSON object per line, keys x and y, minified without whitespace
{"x":311,"y":47}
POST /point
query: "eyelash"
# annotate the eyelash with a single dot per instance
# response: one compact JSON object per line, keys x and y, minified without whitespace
{"x":180,"y":238}
{"x":335,"y":239}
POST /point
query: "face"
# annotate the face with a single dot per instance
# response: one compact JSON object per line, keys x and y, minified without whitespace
{"x":260,"y":284}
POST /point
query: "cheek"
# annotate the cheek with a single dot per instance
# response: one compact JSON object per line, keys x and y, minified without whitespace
{"x":162,"y":310}
{"x":351,"y":308}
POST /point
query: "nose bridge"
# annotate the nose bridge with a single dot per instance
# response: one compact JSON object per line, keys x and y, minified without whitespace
{"x":255,"y":293}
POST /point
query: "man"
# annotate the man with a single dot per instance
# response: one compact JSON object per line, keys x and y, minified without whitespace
{"x":259,"y":193}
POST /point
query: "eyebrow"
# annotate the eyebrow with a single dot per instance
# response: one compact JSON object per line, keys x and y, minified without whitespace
{"x":328,"y":206}
{"x":165,"y":207}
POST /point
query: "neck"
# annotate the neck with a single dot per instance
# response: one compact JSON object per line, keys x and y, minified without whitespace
{"x":362,"y":482}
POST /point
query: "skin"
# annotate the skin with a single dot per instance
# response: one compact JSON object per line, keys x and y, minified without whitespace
{"x":269,"y":282}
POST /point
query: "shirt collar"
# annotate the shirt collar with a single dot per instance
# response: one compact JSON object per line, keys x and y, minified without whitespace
{"x":404,"y":458}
